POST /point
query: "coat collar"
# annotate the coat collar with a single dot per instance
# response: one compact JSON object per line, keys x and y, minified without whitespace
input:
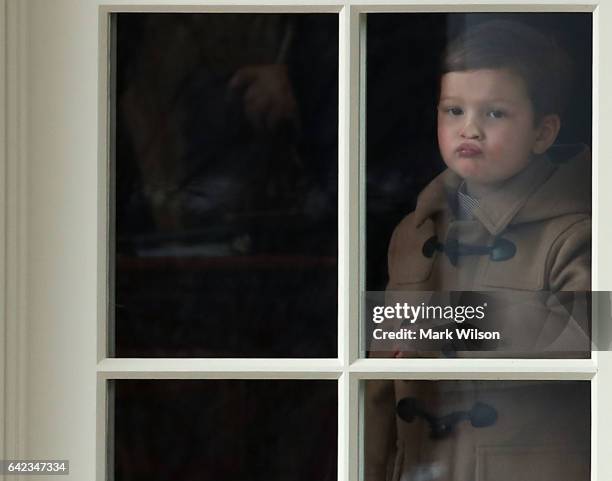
{"x":526,"y":197}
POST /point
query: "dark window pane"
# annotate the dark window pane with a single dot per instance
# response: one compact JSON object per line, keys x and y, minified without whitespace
{"x":225,"y":185}
{"x":477,"y":430}
{"x":225,"y":430}
{"x":479,"y":166}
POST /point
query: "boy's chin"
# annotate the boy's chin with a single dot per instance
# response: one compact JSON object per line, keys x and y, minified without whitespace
{"x":473,"y":172}
{"x":479,"y":179}
{"x":467,"y":168}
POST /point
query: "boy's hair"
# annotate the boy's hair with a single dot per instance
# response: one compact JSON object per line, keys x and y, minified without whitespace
{"x":535,"y":57}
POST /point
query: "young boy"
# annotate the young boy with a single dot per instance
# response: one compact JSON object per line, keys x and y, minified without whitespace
{"x":511,"y":211}
{"x":510,"y":214}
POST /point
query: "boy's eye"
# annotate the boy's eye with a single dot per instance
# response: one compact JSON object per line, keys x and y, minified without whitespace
{"x":454,"y":110}
{"x":496,"y":114}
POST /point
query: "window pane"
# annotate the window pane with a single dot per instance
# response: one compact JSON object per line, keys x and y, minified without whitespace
{"x":225,"y":430}
{"x":477,"y":430}
{"x":225,"y":173}
{"x":479,"y":167}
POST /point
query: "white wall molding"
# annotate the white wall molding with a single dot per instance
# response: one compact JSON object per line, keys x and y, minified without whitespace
{"x":13,"y":221}
{"x":3,"y":232}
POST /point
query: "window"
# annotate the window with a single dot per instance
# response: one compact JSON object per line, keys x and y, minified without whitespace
{"x":69,"y":377}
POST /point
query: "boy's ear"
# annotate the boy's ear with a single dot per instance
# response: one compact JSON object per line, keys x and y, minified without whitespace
{"x":546,"y":133}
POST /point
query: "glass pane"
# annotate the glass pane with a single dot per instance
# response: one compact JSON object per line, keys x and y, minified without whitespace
{"x":225,"y":430}
{"x":478,"y":174}
{"x":225,"y":173}
{"x":477,"y":430}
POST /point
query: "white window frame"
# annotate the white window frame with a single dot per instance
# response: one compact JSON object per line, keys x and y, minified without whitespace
{"x":54,"y":220}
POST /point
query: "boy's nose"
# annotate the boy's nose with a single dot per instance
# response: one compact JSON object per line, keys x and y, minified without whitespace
{"x":471,"y":130}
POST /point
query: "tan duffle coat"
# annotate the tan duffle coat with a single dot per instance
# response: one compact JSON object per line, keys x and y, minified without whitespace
{"x":542,"y":429}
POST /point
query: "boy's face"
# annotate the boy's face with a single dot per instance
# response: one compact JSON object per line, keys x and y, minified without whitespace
{"x":486,"y":128}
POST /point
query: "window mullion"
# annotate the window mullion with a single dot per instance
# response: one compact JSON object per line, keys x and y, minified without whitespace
{"x":481,"y":369}
{"x":349,"y":232}
{"x":208,"y":368}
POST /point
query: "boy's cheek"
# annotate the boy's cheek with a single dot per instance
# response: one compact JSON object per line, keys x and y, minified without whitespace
{"x":442,"y":132}
{"x":444,"y":141}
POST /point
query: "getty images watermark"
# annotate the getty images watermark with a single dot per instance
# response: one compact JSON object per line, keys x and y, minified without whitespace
{"x":410,"y":314}
{"x":565,"y":324}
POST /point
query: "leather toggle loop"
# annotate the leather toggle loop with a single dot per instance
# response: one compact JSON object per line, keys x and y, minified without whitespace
{"x":501,"y":250}
{"x":481,"y":415}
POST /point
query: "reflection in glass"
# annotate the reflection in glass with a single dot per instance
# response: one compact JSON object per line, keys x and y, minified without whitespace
{"x":225,"y":430}
{"x":225,"y":185}
{"x":479,"y":163}
{"x":477,"y":430}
